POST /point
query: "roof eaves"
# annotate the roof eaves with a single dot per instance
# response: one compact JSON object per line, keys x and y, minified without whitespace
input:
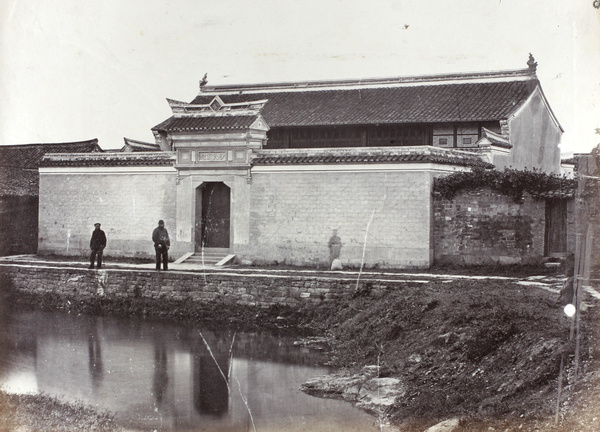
{"x":93,"y":141}
{"x":388,"y":155}
{"x":108,"y":159}
{"x":556,"y":194}
{"x":162,"y":125}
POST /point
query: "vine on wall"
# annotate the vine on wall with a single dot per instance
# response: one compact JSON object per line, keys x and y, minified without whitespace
{"x":509,"y":182}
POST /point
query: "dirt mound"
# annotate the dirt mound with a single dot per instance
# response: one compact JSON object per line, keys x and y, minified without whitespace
{"x":483,"y":350}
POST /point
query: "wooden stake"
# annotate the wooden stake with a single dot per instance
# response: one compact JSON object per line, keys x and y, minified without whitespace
{"x":560,"y":376}
{"x":579,"y":247}
{"x":582,"y":277}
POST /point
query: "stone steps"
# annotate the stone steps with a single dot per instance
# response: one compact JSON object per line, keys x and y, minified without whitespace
{"x":210,"y":256}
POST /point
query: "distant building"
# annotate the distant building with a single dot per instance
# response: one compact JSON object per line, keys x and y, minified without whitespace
{"x":139,"y":146}
{"x":19,"y":187}
{"x":267,"y":171}
{"x":567,"y":166}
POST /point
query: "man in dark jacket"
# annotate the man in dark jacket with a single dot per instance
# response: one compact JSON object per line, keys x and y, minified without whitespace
{"x":160,"y":237}
{"x":97,"y":245}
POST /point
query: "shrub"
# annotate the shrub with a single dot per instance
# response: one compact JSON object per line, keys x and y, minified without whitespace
{"x":509,"y":182}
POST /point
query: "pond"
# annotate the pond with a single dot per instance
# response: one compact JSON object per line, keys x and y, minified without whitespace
{"x":164,"y":376}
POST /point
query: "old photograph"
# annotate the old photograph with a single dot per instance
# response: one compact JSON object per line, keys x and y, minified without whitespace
{"x":299,"y":216}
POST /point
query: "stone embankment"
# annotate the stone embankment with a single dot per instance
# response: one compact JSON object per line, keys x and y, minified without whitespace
{"x":245,"y":287}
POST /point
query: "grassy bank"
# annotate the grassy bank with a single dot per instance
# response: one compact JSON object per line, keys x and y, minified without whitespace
{"x":39,"y":413}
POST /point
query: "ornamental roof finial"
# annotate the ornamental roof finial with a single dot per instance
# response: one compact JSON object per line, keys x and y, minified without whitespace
{"x":204,"y":80}
{"x":531,"y":63}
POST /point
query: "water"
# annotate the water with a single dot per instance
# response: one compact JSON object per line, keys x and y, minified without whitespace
{"x":161,"y":376}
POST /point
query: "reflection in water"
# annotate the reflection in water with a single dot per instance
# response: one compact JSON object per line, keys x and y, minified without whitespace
{"x":21,"y":343}
{"x":162,"y":376}
{"x":211,"y":389}
{"x":95,"y":354}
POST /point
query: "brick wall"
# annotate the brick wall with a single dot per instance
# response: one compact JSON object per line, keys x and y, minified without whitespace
{"x":283,"y":217}
{"x":228,"y":288}
{"x":18,"y":225}
{"x":385,"y":218}
{"x":484,"y":227}
{"x":127,"y":204}
{"x":293,"y":214}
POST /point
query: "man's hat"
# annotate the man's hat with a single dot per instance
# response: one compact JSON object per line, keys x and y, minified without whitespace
{"x":97,"y":224}
{"x":161,"y":222}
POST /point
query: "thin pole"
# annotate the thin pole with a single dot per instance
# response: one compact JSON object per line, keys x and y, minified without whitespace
{"x":560,"y":376}
{"x":576,"y":280}
{"x":587,"y":242}
{"x":364,"y":250}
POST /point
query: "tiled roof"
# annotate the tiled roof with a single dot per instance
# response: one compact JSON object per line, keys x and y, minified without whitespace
{"x":19,"y":164}
{"x":138,"y":146}
{"x":15,"y":181}
{"x":569,"y":193}
{"x":459,"y":101}
{"x":109,"y":159}
{"x":30,"y":155}
{"x":202,"y":123}
{"x":387,"y":155}
{"x":496,"y":139}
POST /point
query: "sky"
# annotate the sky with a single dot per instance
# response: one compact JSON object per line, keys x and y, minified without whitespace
{"x":73,"y":70}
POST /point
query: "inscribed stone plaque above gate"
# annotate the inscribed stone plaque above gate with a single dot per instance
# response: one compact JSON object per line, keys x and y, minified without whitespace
{"x":211,"y":156}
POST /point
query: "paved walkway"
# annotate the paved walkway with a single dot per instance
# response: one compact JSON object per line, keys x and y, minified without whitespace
{"x":552,"y":283}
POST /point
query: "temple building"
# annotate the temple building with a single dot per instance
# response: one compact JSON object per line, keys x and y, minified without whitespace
{"x":264,"y":173}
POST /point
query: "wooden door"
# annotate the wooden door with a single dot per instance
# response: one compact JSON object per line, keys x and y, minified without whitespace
{"x":556,"y":227}
{"x":212,"y":215}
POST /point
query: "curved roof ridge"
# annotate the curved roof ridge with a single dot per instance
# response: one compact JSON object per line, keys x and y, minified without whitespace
{"x":517,"y":74}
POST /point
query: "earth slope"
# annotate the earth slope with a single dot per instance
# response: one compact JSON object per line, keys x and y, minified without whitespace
{"x":487,"y":351}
